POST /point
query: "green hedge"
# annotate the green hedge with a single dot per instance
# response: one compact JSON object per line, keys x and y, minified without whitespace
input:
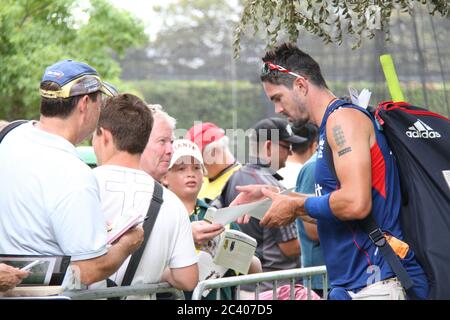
{"x":192,"y":100}
{"x":212,"y":101}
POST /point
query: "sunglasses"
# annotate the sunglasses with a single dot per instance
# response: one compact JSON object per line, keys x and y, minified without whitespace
{"x":286,"y":146}
{"x":269,"y":66}
{"x":82,"y":85}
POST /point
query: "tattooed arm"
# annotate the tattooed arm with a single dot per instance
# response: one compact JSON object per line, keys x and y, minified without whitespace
{"x":350,"y":134}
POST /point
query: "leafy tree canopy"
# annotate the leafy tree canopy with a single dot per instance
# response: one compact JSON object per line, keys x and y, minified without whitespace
{"x":195,"y":42}
{"x":37,"y":33}
{"x":328,"y":19}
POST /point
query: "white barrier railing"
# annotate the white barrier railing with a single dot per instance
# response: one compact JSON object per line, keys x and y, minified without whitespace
{"x":274,"y":276}
{"x":237,"y":281}
{"x":114,"y":292}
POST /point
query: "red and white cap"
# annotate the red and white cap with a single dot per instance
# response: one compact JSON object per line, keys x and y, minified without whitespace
{"x":204,"y":133}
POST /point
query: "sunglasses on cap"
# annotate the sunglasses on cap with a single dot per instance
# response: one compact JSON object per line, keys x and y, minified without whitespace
{"x":269,"y":66}
{"x":83,"y":85}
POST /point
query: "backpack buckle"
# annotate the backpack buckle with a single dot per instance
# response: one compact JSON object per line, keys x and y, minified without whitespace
{"x":377,"y":237}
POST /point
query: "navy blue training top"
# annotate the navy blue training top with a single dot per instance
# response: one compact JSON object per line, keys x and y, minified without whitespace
{"x":348,"y":251}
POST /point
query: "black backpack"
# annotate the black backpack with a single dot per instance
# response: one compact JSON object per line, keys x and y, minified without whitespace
{"x":9,"y":127}
{"x":420,"y":141}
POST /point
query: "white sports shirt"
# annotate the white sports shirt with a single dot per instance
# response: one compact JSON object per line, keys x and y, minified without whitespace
{"x":170,"y":243}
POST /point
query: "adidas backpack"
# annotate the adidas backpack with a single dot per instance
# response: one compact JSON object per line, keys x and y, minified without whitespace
{"x":420,"y":141}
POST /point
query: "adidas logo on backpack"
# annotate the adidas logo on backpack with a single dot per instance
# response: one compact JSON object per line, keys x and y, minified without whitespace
{"x":421,"y":130}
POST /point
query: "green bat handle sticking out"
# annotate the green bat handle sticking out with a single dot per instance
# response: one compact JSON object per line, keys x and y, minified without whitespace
{"x":391,"y":78}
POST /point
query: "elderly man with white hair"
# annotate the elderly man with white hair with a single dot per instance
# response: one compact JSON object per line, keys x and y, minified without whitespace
{"x":158,"y":152}
{"x":155,"y":160}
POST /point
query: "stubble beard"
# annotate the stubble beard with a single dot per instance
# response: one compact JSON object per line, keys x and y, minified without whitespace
{"x":302,"y":116}
{"x":298,"y":123}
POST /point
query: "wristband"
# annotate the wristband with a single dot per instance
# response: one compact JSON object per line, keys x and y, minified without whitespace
{"x":319,"y":207}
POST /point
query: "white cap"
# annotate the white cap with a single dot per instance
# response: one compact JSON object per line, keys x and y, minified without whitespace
{"x":182,"y":148}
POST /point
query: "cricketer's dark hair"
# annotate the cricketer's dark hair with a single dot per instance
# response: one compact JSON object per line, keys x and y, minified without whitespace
{"x":292,"y":58}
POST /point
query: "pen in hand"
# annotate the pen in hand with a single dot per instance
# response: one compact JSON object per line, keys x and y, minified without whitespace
{"x":31,"y":265}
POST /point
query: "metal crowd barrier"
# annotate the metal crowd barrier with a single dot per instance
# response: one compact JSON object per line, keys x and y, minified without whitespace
{"x":237,"y":281}
{"x":274,"y":276}
{"x":114,"y":292}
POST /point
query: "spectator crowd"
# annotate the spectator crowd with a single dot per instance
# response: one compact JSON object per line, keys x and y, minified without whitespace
{"x":54,"y":204}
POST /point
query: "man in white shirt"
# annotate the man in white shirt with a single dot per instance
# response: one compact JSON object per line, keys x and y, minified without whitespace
{"x":49,"y":198}
{"x":122,"y":133}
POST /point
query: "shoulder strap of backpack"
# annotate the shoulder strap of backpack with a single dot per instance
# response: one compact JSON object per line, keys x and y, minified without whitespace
{"x":370,"y":226}
{"x":152,"y":213}
{"x":10,"y":127}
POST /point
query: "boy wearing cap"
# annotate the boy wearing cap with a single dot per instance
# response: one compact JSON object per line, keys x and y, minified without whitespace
{"x":218,"y":159}
{"x":122,"y":133}
{"x":184,"y":178}
{"x":50,"y":203}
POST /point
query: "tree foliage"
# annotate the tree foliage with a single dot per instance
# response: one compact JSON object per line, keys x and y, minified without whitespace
{"x":195,"y":42}
{"x":328,"y":19}
{"x":196,"y":35}
{"x":37,"y":33}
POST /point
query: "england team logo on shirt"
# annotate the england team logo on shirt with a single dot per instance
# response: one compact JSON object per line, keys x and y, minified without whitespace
{"x":321,"y":145}
{"x":289,"y":130}
{"x":318,"y":190}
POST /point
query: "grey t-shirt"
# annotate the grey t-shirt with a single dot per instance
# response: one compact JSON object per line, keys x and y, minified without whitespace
{"x":267,"y":249}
